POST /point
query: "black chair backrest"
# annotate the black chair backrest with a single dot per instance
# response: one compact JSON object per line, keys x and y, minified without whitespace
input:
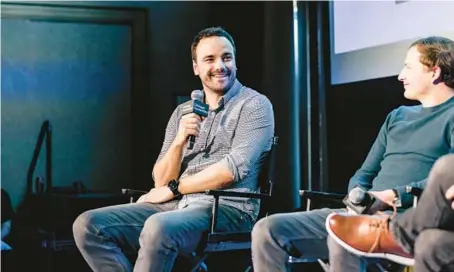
{"x":267,"y":173}
{"x":267,"y":176}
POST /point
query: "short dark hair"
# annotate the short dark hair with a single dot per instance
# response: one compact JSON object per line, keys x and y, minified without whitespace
{"x":210,"y":32}
{"x":438,"y":51}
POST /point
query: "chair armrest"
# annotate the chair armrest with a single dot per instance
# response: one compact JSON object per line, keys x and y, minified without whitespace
{"x":317,"y":195}
{"x":218,"y":193}
{"x":132,"y":193}
{"x":416,"y":191}
{"x":126,"y":191}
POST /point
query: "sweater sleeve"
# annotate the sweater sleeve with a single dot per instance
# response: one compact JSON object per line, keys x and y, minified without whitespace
{"x":372,"y":164}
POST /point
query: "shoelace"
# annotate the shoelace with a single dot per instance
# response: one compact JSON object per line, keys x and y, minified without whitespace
{"x":382,"y":225}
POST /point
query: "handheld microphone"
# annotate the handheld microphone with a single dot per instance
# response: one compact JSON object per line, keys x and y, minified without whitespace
{"x":195,"y":105}
{"x":359,"y":200}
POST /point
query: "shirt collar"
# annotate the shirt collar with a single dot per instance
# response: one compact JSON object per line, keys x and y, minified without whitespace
{"x":234,"y":90}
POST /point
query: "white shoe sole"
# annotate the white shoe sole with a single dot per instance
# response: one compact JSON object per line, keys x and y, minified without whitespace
{"x":389,"y":256}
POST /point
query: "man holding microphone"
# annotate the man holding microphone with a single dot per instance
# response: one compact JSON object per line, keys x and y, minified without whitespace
{"x":228,"y":150}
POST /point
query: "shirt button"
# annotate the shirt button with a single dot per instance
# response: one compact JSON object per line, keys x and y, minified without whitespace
{"x":213,"y":113}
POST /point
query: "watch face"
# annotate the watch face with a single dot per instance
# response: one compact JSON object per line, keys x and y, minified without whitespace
{"x":173,"y":185}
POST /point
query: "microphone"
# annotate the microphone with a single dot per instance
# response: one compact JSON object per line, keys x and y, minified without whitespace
{"x":359,"y":200}
{"x":195,"y":105}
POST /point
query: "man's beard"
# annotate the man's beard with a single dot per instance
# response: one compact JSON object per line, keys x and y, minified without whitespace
{"x":228,"y":84}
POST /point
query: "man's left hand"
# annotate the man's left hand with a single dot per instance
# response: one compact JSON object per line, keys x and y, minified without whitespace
{"x":157,"y":195}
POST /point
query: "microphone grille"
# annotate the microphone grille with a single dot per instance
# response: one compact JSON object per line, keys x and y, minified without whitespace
{"x":197,"y":95}
{"x":356,"y":195}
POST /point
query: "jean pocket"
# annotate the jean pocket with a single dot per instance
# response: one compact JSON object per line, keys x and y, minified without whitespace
{"x":243,"y":222}
{"x":233,"y":219}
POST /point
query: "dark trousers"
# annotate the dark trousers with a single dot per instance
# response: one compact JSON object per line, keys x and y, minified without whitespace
{"x":427,"y":231}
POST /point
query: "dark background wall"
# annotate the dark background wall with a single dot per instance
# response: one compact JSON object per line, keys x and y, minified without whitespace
{"x":170,"y":29}
{"x":262,"y":32}
{"x":82,"y":86}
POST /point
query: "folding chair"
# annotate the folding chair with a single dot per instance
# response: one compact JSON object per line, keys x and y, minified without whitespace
{"x":329,"y":200}
{"x":235,"y":241}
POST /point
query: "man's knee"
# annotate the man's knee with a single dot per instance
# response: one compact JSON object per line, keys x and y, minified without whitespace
{"x":158,"y":229}
{"x":263,"y":229}
{"x":442,"y":167}
{"x":83,"y":226}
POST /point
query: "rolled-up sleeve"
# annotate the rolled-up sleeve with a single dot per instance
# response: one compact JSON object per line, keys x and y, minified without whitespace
{"x":253,"y":137}
{"x":170,"y":133}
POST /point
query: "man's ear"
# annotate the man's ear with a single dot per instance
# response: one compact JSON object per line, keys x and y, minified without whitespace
{"x":437,"y":75}
{"x":195,"y":68}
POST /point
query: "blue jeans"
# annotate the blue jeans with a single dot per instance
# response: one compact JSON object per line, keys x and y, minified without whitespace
{"x":298,"y":234}
{"x":159,"y":232}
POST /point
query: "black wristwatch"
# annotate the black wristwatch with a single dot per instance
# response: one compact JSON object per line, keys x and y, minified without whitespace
{"x":173,"y":186}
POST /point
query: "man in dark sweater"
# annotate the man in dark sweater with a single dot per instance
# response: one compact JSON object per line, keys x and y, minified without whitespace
{"x":408,"y":144}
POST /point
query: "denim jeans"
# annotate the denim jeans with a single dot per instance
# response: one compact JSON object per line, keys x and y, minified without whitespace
{"x":298,"y":234}
{"x":159,"y":232}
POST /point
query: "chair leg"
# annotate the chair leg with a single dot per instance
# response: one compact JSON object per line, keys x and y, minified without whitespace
{"x":200,"y":265}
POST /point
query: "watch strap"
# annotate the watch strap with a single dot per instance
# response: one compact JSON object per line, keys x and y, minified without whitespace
{"x":173,"y":186}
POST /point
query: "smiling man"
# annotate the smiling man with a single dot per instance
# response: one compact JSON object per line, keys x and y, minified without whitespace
{"x":424,"y":132}
{"x":230,"y":148}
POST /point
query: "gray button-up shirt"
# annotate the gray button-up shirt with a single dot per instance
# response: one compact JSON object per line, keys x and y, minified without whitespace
{"x":238,"y":134}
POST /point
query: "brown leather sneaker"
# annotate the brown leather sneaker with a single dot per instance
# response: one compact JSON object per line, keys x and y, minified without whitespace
{"x":367,"y":236}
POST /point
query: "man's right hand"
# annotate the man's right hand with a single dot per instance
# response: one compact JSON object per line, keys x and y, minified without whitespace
{"x":189,"y":125}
